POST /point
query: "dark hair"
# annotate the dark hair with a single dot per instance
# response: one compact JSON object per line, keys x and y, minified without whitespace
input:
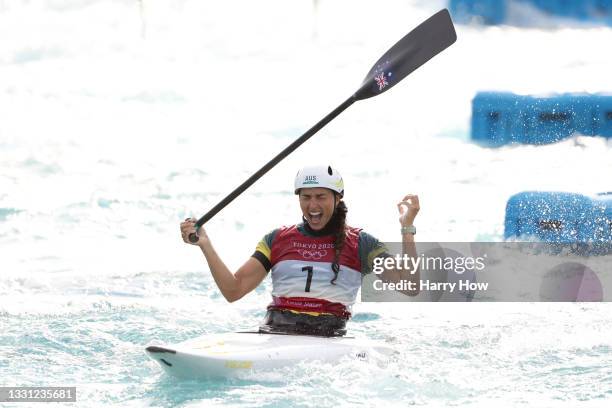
{"x":338,"y":224}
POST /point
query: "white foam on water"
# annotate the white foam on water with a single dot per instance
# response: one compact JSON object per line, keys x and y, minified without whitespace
{"x":119,"y":121}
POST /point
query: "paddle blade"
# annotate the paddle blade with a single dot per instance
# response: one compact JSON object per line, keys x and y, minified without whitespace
{"x":418,"y":46}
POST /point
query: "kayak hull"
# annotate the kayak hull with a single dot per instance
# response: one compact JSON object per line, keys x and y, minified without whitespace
{"x":235,"y":354}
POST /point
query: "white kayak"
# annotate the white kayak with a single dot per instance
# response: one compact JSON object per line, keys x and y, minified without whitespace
{"x":234,"y":354}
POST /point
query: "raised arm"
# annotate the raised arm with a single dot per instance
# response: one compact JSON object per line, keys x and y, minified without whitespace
{"x":408,"y":209}
{"x":233,"y":286}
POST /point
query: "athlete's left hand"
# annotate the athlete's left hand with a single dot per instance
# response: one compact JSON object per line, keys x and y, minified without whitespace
{"x":408,"y":209}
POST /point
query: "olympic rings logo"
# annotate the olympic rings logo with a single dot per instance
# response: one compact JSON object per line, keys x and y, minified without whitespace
{"x":314,"y":255}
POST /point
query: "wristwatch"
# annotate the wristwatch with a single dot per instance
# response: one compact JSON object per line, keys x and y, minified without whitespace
{"x":408,"y":229}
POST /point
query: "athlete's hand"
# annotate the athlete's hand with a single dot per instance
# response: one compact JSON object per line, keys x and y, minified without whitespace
{"x":188,"y":227}
{"x":408,"y":209}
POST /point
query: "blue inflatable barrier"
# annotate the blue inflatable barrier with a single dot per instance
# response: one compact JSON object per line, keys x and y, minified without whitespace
{"x":500,"y":118}
{"x":493,"y":12}
{"x":603,"y":116}
{"x":584,"y":10}
{"x":563,"y":218}
{"x":490,"y":12}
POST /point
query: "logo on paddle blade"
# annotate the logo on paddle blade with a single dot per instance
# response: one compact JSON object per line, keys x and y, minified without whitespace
{"x":382,"y":78}
{"x":381,"y":81}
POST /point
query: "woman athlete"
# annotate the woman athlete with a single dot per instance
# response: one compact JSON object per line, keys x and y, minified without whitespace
{"x":317,"y":265}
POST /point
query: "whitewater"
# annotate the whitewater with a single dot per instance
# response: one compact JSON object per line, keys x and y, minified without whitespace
{"x":122,"y":118}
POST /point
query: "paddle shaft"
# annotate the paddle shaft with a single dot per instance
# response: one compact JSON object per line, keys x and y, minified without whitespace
{"x":416,"y":48}
{"x":286,"y":152}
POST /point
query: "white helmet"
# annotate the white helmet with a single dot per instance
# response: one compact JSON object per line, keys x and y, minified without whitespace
{"x":319,"y":176}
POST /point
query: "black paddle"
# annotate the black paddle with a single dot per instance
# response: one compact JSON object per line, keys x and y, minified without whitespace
{"x":418,"y":46}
